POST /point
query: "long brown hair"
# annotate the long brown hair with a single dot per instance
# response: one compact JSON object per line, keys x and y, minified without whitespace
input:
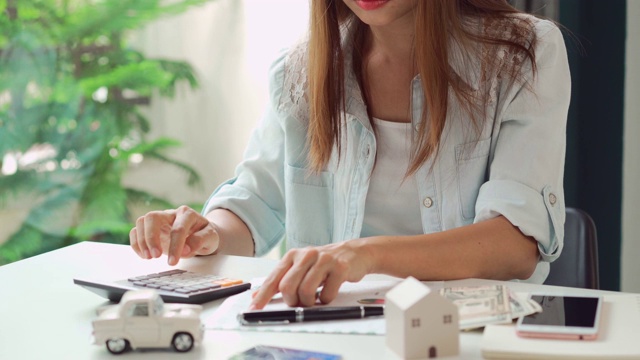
{"x":437,"y":23}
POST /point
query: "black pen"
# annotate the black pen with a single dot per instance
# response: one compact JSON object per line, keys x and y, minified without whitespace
{"x":299,"y":314}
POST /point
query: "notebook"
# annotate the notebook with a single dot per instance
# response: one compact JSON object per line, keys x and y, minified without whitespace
{"x":619,"y":337}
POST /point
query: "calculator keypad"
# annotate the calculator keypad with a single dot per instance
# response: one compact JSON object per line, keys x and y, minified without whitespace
{"x":183,"y":282}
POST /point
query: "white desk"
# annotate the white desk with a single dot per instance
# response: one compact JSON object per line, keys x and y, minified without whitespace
{"x":43,"y":315}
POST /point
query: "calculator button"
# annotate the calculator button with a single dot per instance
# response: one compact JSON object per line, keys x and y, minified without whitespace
{"x":228,"y":282}
{"x":172,"y":272}
{"x":186,"y":290}
{"x":201,"y":287}
{"x":153,"y":276}
{"x":183,"y":282}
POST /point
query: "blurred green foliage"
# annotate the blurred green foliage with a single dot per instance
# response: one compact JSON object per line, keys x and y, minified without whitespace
{"x":71,"y":91}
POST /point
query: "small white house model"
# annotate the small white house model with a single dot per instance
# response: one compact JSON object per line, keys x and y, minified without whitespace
{"x":420,"y":323}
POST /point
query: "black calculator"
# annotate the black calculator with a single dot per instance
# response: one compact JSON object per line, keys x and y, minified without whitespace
{"x":174,"y":286}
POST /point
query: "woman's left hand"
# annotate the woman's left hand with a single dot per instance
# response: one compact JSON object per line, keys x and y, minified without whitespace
{"x":302,"y":271}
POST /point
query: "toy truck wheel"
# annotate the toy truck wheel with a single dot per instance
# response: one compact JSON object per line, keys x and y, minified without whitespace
{"x":117,"y":346}
{"x":182,"y":342}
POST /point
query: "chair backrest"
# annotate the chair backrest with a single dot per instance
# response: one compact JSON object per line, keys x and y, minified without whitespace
{"x":577,"y":266}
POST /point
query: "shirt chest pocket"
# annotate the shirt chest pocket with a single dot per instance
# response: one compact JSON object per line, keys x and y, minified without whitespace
{"x":309,"y":207}
{"x":472,"y":164}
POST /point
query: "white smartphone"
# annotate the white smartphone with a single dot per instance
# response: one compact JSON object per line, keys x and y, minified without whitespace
{"x":563,"y":317}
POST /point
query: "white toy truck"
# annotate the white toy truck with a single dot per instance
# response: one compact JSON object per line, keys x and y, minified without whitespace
{"x":143,"y":320}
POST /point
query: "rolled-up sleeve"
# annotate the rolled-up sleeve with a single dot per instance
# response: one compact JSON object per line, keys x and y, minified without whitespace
{"x":256,"y":193}
{"x":526,"y":166}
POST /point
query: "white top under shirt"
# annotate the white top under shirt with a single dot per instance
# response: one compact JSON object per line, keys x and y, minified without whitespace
{"x":392,"y":206}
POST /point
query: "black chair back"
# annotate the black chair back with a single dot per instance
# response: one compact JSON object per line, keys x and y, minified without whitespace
{"x":577,"y":266}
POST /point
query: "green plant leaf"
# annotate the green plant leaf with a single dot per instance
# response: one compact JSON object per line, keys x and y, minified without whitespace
{"x":148,"y":147}
{"x":193,"y":179}
{"x":121,"y":15}
{"x":148,"y":199}
{"x":55,"y":214}
{"x":94,"y":230}
{"x":27,"y":241}
{"x":141,"y":77}
{"x":70,"y":82}
{"x":104,"y":198}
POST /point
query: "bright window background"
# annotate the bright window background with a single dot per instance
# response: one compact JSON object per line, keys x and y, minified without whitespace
{"x":231,"y":44}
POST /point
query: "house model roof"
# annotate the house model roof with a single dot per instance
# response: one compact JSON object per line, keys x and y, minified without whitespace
{"x":408,"y":293}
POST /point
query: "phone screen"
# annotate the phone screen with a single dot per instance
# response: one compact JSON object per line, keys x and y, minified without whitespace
{"x":564,"y":311}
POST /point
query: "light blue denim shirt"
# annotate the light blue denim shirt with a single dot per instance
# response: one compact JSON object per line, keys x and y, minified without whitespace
{"x":514,"y":168}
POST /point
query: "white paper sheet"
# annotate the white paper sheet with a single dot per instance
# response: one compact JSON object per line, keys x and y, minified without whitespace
{"x":225,"y":317}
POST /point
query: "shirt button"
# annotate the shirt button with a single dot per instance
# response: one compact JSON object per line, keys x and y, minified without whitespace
{"x":366,"y":152}
{"x":552,"y":199}
{"x":427,"y":202}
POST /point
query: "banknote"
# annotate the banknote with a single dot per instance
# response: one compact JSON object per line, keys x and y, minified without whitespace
{"x":492,"y":304}
{"x":521,"y":305}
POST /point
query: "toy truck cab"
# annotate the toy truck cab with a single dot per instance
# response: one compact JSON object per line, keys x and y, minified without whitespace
{"x":143,"y":320}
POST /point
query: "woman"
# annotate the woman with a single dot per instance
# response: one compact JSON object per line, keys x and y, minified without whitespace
{"x":404,"y":137}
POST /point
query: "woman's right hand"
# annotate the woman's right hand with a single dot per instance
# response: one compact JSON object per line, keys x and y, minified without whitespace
{"x":178,"y":233}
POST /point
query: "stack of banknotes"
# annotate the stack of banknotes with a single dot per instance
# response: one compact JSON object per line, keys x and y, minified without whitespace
{"x":492,"y":304}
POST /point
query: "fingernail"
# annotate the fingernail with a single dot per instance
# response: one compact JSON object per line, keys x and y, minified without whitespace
{"x":156,"y":253}
{"x":252,"y":307}
{"x":172,"y":260}
{"x":186,"y":250}
{"x":146,"y":254}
